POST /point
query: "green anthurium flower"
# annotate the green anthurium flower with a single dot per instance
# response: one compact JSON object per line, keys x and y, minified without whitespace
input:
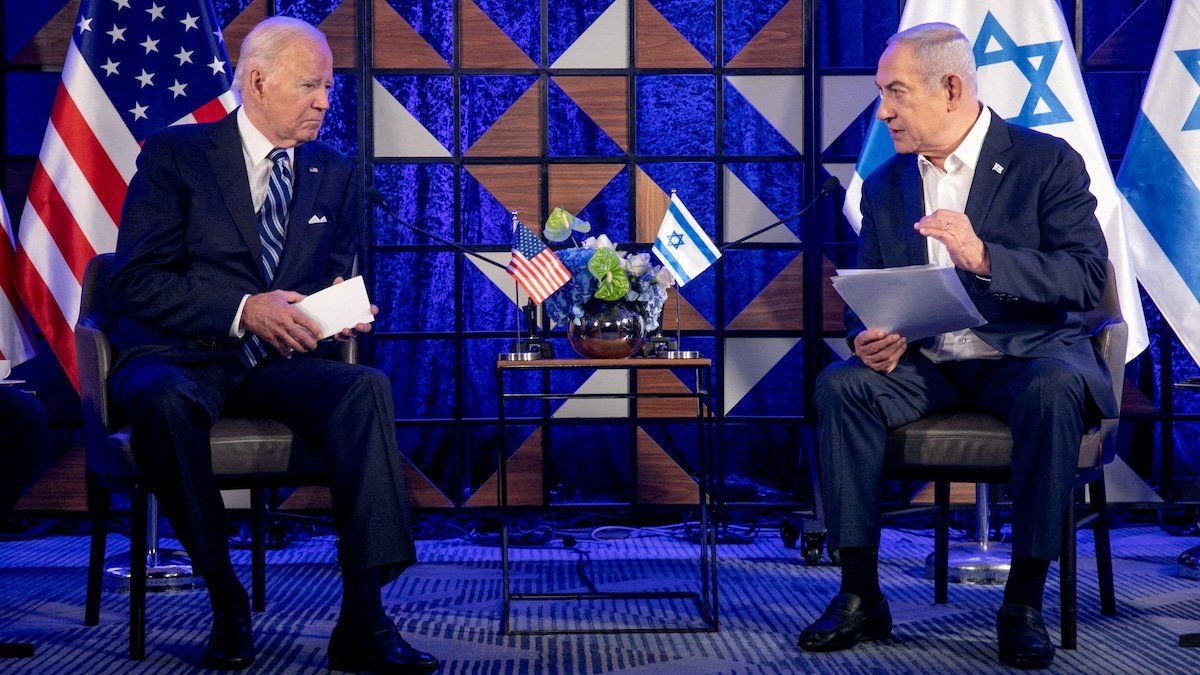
{"x":581,"y":226}
{"x":613,"y":286}
{"x":559,"y":225}
{"x":603,"y":261}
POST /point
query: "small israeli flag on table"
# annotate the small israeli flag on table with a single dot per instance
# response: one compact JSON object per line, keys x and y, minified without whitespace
{"x":682,"y":245}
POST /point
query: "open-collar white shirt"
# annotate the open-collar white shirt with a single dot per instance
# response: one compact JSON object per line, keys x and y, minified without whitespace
{"x":948,"y":189}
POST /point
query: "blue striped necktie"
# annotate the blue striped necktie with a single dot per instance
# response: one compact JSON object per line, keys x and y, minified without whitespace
{"x":272,"y":229}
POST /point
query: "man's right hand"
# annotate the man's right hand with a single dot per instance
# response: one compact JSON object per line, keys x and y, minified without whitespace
{"x":880,"y":351}
{"x":276,"y":322}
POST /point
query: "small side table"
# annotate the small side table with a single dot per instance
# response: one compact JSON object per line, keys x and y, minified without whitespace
{"x":706,"y":598}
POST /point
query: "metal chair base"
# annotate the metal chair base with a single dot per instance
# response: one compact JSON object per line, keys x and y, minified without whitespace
{"x":168,"y":571}
{"x":974,"y":563}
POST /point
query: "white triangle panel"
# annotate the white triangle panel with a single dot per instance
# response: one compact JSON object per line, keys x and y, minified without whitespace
{"x":601,"y":382}
{"x":745,"y":213}
{"x":605,"y":43}
{"x":843,"y":98}
{"x":397,"y":132}
{"x":497,"y":276}
{"x":779,"y":99}
{"x":748,"y":360}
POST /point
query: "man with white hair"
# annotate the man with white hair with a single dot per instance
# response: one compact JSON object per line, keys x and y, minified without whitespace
{"x":225,"y":227}
{"x":1010,"y":209}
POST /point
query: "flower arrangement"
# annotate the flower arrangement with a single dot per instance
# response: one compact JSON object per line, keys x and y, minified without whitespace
{"x":599,"y":271}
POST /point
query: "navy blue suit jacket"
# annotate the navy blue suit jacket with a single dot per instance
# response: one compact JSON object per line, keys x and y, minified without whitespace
{"x":188,"y":247}
{"x":1037,"y":218}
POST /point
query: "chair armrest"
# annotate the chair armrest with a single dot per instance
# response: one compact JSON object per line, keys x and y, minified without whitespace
{"x":95,"y":360}
{"x":1111,"y":340}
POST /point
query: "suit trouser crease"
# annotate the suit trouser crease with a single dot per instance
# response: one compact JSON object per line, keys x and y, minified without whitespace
{"x":1043,"y":399}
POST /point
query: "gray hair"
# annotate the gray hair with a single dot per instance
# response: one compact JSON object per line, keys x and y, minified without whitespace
{"x":940,"y":49}
{"x":264,"y":45}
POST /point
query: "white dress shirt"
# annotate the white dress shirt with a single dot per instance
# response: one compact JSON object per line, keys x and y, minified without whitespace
{"x":256,"y":149}
{"x":949,"y":189}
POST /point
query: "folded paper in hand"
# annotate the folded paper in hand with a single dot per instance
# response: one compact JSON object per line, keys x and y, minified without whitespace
{"x":338,"y":307}
{"x":917,"y":302}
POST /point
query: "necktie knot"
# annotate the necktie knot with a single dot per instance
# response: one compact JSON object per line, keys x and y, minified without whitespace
{"x":277,"y":155}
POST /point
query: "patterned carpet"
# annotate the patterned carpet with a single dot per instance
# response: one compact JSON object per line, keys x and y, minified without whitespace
{"x":449,"y":605}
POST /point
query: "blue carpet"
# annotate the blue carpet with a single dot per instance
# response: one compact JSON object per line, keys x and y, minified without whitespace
{"x":449,"y":605}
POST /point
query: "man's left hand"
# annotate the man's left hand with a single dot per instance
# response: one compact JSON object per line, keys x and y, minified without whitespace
{"x":954,"y":229}
{"x":348,"y":334}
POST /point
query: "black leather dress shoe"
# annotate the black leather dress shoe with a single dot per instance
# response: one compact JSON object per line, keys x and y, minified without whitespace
{"x":845,"y":623}
{"x":378,"y":650}
{"x":230,"y":643}
{"x":1024,"y":642}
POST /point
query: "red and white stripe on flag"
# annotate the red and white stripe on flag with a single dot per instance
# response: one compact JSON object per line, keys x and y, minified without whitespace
{"x":14,"y":342}
{"x":539,"y":276}
{"x":126,"y":75}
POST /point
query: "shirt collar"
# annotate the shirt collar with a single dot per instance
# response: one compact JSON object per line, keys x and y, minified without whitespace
{"x":254,"y":143}
{"x":968,"y":151}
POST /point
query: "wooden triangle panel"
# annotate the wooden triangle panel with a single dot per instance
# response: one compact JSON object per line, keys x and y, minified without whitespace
{"x":340,"y":29}
{"x":659,"y":44}
{"x":518,"y":132}
{"x":397,"y":44}
{"x":524,"y":477}
{"x":651,"y":202}
{"x":779,"y":306}
{"x":663,"y":382}
{"x":515,"y":186}
{"x":574,"y":186}
{"x":605,"y":100}
{"x":833,"y":307}
{"x":484,"y":44}
{"x":689,"y":317}
{"x":660,"y":479}
{"x":960,"y":493}
{"x":236,"y":31}
{"x":422,"y":493}
{"x":61,"y":488}
{"x":49,"y":46}
{"x":778,"y":44}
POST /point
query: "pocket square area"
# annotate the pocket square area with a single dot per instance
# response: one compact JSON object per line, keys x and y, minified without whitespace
{"x":317,"y":220}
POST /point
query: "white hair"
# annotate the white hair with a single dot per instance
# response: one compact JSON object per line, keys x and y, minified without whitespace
{"x":263,"y":47}
{"x":940,"y":50}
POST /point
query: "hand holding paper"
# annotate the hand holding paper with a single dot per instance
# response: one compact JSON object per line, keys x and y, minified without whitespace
{"x":341,"y":309}
{"x":916,"y":302}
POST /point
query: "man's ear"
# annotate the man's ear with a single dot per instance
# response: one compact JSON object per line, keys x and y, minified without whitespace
{"x":256,"y":83}
{"x":953,"y":85}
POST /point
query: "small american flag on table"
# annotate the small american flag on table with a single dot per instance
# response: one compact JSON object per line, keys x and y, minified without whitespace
{"x":535,"y":266}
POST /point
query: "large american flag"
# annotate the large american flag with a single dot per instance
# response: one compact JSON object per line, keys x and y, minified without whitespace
{"x":132,"y":68}
{"x":534,"y":266}
{"x":14,"y":342}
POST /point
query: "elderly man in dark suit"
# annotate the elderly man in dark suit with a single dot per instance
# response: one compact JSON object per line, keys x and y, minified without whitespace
{"x":225,"y":227}
{"x":1010,"y":209}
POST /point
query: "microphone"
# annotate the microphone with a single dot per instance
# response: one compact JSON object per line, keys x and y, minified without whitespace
{"x":826,"y":187}
{"x":379,"y":200}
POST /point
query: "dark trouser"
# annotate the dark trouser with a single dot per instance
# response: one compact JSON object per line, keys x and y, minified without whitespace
{"x":1042,"y":399}
{"x":343,"y":410}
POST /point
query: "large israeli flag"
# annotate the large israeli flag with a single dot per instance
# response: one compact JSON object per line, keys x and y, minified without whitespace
{"x":682,"y":245}
{"x":1160,"y":178}
{"x":1029,"y":75}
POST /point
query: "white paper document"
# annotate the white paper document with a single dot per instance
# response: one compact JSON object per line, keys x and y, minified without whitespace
{"x":916,"y":302}
{"x":338,"y":307}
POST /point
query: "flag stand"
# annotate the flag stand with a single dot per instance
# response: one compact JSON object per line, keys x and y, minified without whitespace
{"x":534,"y":346}
{"x":672,"y":351}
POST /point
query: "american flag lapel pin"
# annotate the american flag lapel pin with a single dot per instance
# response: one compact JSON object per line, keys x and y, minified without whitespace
{"x":313,"y":169}
{"x":998,"y":169}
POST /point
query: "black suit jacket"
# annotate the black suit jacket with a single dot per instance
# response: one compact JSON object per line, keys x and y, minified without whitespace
{"x":1037,"y":218}
{"x":188,"y":246}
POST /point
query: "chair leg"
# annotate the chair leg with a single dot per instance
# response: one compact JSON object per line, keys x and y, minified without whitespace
{"x":258,"y":550}
{"x":1100,"y":530}
{"x":1067,"y":579}
{"x":941,"y":542}
{"x":98,"y":499}
{"x":137,"y":573}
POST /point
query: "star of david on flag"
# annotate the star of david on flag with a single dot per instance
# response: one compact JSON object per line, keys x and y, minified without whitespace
{"x":1029,"y":75}
{"x":682,"y":244}
{"x":1160,"y":178}
{"x":132,"y":67}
